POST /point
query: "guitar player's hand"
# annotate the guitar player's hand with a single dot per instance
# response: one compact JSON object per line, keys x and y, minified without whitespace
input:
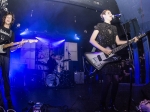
{"x":107,"y":51}
{"x":135,"y":39}
{"x":11,"y":44}
{"x":21,"y":44}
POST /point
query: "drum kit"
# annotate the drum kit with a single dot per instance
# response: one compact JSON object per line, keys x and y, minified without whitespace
{"x":59,"y":77}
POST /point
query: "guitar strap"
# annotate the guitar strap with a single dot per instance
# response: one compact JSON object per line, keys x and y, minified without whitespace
{"x":1,"y":46}
{"x":10,"y":33}
{"x":94,"y":48}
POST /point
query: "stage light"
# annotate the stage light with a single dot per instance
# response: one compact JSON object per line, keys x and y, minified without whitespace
{"x":42,"y":40}
{"x":76,"y":37}
{"x":55,"y":44}
{"x":25,"y":32}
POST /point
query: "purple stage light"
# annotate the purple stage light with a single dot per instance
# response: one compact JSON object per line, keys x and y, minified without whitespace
{"x":55,"y":44}
{"x":76,"y":37}
{"x":25,"y":32}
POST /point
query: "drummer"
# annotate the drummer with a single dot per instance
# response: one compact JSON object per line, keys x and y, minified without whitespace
{"x":51,"y":63}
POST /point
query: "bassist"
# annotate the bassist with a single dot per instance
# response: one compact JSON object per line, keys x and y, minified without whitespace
{"x":6,"y":37}
{"x":103,"y":36}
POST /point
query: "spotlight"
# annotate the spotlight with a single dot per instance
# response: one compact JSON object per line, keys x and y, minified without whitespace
{"x":25,"y":32}
{"x":55,"y":44}
{"x":43,"y":40}
{"x":76,"y":37}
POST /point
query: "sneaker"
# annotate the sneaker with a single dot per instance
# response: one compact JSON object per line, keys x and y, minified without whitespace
{"x":11,"y":110}
{"x":2,"y":109}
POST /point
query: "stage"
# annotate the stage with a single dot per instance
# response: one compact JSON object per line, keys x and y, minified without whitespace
{"x":78,"y":98}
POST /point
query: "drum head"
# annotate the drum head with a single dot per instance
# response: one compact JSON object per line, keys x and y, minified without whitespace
{"x":52,"y":80}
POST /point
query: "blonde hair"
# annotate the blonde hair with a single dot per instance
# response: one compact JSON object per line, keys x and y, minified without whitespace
{"x":103,"y":13}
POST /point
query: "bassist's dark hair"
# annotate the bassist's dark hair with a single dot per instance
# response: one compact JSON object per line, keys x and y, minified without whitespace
{"x":4,"y":17}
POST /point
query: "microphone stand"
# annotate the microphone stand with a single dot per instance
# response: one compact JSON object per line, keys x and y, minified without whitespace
{"x":69,"y":55}
{"x":130,"y":57}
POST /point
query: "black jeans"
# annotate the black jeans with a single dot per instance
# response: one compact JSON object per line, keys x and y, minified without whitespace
{"x":5,"y":65}
{"x":107,"y":80}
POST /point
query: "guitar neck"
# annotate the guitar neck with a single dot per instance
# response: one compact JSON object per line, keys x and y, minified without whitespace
{"x":125,"y":45}
{"x":122,"y":46}
{"x":10,"y":45}
{"x":16,"y":43}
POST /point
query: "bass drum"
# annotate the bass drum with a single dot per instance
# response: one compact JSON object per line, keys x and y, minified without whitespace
{"x":52,"y":80}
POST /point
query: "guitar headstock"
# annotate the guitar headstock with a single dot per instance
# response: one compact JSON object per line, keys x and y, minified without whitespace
{"x":29,"y":40}
{"x":141,"y":35}
{"x":32,"y":40}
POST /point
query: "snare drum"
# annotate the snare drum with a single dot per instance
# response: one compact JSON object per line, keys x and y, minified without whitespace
{"x":52,"y":80}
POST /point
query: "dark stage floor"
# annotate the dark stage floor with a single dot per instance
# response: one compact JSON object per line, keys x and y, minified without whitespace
{"x":80,"y":98}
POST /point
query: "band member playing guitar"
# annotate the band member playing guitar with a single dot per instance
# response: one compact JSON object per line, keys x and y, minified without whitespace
{"x":7,"y":37}
{"x":103,"y":36}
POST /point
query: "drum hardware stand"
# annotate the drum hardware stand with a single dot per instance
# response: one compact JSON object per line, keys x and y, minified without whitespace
{"x":55,"y":83}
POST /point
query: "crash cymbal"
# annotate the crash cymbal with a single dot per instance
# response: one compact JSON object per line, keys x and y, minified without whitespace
{"x":66,"y":60}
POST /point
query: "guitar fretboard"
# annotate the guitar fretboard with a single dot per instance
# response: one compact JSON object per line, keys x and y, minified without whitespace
{"x":125,"y":45}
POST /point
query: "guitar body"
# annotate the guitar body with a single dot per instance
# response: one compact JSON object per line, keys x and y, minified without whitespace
{"x":99,"y":59}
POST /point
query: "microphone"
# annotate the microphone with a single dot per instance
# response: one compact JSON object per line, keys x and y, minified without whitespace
{"x":116,"y":15}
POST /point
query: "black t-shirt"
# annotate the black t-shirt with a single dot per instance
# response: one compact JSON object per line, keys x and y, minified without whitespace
{"x":6,"y":37}
{"x":107,"y":34}
{"x":51,"y":63}
{"x":106,"y":38}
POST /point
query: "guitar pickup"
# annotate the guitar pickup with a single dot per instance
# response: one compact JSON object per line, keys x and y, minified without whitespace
{"x":99,"y":58}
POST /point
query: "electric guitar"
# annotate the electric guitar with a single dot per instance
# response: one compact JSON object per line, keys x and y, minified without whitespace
{"x":99,"y":59}
{"x":17,"y":43}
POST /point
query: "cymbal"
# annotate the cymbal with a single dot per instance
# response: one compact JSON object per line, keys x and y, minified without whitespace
{"x":66,"y":60}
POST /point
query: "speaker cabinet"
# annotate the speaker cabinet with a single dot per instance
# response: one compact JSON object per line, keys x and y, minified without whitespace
{"x":79,"y":77}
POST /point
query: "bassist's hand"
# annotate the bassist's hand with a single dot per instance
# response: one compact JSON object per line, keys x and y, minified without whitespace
{"x":107,"y":51}
{"x":21,"y":44}
{"x":11,"y":44}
